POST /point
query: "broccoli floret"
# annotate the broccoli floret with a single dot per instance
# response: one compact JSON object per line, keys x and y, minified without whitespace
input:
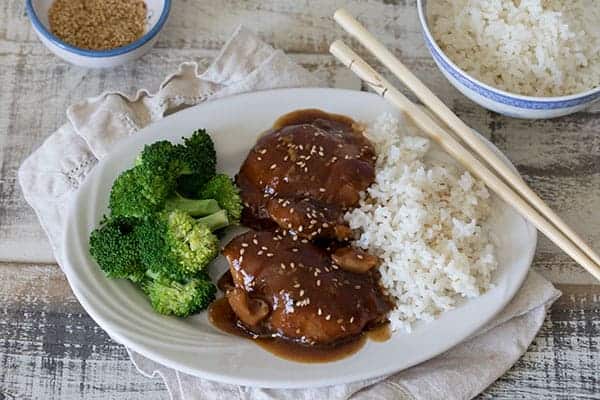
{"x":200,"y":159}
{"x":128,"y":198}
{"x":158,"y":166}
{"x":152,"y":237}
{"x":174,"y":244}
{"x":151,"y":185}
{"x":114,"y":246}
{"x":225,"y":192}
{"x":121,"y":245}
{"x":171,"y":297}
{"x":144,"y":189}
{"x":199,"y":154}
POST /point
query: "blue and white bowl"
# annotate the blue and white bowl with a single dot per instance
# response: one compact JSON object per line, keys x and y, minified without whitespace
{"x":500,"y":101}
{"x":158,"y":11}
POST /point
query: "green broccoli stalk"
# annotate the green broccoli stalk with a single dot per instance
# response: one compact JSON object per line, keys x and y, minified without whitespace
{"x":215,"y":221}
{"x":114,"y":246}
{"x":175,"y":245}
{"x":200,"y":159}
{"x":223,"y":190}
{"x":195,"y":208}
{"x":171,"y":297}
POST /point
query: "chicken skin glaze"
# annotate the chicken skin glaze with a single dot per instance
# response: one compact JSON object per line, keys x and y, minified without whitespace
{"x":294,"y":289}
{"x":294,"y":275}
{"x":303,"y":176}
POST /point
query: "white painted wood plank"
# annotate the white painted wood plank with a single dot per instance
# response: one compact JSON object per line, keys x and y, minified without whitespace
{"x":564,"y":359}
{"x":559,"y":158}
{"x":297,"y":26}
{"x":550,"y":153}
{"x":51,"y":349}
{"x":197,"y":29}
{"x":38,"y":76}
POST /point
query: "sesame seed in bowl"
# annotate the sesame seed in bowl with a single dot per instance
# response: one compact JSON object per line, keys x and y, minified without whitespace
{"x":98,"y":24}
{"x":98,"y":33}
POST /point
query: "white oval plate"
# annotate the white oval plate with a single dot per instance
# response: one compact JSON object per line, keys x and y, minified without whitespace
{"x":193,"y":345}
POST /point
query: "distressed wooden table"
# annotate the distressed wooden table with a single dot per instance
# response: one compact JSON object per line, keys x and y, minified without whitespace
{"x":51,"y":349}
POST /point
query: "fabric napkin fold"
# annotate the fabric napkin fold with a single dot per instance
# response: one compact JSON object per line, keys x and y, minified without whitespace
{"x":51,"y":176}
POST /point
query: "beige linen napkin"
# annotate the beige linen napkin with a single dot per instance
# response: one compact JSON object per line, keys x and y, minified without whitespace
{"x":51,"y":176}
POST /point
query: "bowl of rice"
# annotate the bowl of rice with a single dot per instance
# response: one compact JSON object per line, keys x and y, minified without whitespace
{"x":531,"y":59}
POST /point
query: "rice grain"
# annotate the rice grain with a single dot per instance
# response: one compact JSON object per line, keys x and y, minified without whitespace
{"x":425,"y":219}
{"x":530,"y":47}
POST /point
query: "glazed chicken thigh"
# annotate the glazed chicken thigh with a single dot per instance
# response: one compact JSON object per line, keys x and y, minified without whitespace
{"x":304,"y":174}
{"x":293,"y":288}
{"x":295,"y":276}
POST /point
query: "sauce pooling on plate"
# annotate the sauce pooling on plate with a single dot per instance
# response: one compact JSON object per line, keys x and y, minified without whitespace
{"x":222,"y":316}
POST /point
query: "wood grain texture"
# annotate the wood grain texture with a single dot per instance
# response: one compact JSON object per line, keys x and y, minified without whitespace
{"x":51,"y":349}
{"x":559,"y":158}
{"x":564,"y":359}
{"x":39,"y":77}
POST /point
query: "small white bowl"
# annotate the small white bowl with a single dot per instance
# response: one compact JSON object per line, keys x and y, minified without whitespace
{"x":500,"y":101}
{"x":158,"y":11}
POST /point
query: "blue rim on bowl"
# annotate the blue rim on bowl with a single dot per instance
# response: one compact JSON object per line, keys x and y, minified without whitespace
{"x":495,"y":94}
{"x":99,"y":53}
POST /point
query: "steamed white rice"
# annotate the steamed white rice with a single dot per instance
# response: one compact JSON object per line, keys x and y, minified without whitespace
{"x":530,"y":47}
{"x":424,"y":219}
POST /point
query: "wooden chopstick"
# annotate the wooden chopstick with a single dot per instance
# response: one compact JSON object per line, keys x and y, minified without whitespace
{"x":381,"y":86}
{"x":423,"y":93}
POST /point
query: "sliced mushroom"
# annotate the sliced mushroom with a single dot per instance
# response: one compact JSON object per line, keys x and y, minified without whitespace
{"x":342,"y":232}
{"x":250,"y":311}
{"x":354,"y":260}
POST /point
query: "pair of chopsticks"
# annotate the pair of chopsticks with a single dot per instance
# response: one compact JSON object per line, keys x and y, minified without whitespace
{"x":512,"y":189}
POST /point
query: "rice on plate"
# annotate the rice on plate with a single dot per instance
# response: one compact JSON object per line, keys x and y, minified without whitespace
{"x":425,"y":219}
{"x":530,"y":47}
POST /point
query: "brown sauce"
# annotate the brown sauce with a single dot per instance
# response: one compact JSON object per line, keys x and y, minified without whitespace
{"x":327,"y":178}
{"x":381,"y":333}
{"x":281,"y":165}
{"x":310,"y":115}
{"x":222,"y":316}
